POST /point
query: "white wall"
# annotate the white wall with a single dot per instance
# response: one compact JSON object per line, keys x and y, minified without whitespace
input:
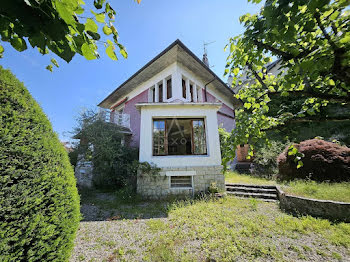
{"x":183,"y":110}
{"x":176,"y":71}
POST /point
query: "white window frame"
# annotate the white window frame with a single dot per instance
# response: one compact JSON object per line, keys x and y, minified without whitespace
{"x":165,"y":88}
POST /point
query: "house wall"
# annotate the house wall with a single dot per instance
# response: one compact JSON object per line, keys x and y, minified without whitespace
{"x":140,"y":95}
{"x":190,"y":110}
{"x":159,"y":186}
{"x":227,"y":122}
{"x":135,"y":116}
{"x":170,"y":70}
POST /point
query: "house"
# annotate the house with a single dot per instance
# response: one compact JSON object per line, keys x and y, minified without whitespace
{"x":172,"y":108}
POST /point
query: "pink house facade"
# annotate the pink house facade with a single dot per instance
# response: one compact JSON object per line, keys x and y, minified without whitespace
{"x":171,"y":110}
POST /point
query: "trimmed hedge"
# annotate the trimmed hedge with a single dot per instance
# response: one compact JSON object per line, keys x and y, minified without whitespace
{"x":39,"y":201}
{"x":322,"y":161}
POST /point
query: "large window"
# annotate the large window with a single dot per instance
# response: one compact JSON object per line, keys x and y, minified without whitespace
{"x":176,"y":136}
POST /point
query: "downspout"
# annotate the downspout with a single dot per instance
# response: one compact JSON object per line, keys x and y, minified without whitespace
{"x":205,"y":89}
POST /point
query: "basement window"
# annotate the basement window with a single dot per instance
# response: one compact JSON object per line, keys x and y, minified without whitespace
{"x":181,"y":181}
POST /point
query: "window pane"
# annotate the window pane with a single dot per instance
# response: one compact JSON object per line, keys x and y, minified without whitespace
{"x":199,"y":143}
{"x":183,"y":88}
{"x":169,"y":88}
{"x":160,"y":92}
{"x":159,"y":137}
{"x":191,"y":92}
{"x":159,"y":124}
{"x":179,"y":134}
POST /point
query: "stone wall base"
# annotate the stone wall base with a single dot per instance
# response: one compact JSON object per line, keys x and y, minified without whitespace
{"x":159,"y":186}
{"x":332,"y":210}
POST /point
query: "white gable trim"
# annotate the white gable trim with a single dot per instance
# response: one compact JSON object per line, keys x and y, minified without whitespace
{"x":170,"y":70}
{"x":176,"y":71}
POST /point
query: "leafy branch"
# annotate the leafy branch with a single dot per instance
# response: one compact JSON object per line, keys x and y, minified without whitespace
{"x":61,"y":27}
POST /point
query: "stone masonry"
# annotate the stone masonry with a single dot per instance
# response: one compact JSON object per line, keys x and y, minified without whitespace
{"x":158,"y":186}
{"x":83,"y":173}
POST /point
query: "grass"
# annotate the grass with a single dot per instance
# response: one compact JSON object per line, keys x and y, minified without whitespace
{"x":234,"y":177}
{"x":228,"y":229}
{"x":311,"y":189}
{"x":327,"y":191}
{"x":125,"y":204}
{"x":232,"y":229}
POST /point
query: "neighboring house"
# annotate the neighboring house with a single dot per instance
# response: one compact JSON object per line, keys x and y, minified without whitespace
{"x":172,"y":108}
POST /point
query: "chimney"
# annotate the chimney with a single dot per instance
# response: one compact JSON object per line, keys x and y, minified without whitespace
{"x":205,"y":59}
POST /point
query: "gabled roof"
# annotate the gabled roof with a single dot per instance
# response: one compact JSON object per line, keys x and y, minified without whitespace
{"x":176,"y":52}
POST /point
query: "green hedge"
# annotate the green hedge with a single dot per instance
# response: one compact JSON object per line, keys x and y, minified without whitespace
{"x":39,"y":202}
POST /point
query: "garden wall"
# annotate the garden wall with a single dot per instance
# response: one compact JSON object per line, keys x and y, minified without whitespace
{"x":332,"y":210}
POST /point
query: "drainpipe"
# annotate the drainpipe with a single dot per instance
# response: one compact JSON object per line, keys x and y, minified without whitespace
{"x":205,"y":89}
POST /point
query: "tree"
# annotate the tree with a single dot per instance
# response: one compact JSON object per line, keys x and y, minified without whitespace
{"x":102,"y":143}
{"x":39,"y":200}
{"x":311,"y":41}
{"x":60,"y":26}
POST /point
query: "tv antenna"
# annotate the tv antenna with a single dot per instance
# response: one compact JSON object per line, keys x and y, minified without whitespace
{"x":205,"y":44}
{"x":205,"y":55}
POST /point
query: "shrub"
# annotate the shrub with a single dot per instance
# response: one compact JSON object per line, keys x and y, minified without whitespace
{"x":321,"y":161}
{"x":114,"y":162}
{"x":39,"y":202}
{"x":265,"y":159}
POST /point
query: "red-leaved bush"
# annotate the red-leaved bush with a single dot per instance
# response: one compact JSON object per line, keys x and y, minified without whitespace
{"x":322,"y":161}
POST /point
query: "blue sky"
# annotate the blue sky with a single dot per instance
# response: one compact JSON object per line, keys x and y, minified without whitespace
{"x":145,"y":30}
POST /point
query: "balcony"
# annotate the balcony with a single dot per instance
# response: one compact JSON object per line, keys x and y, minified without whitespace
{"x":114,"y":117}
{"x":120,"y":119}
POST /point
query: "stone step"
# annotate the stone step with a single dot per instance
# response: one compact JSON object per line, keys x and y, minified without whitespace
{"x":250,"y":186}
{"x":254,"y":195}
{"x":251,"y":189}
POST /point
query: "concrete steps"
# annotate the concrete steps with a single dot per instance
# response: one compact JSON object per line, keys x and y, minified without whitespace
{"x":263,"y":192}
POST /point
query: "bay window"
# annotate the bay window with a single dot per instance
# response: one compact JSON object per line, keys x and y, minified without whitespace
{"x":179,"y":136}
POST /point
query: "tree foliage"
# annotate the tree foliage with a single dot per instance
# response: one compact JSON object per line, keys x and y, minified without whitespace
{"x":115,"y":163}
{"x":63,"y":27}
{"x":39,"y":202}
{"x":311,"y":42}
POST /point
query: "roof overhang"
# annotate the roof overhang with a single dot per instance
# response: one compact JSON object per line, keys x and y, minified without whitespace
{"x":176,"y":52}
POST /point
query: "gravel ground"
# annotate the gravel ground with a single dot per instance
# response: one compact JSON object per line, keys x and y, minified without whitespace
{"x":130,"y":232}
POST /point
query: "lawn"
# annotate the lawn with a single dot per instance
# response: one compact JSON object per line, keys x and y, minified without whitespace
{"x":236,"y":178}
{"x":311,"y":189}
{"x":227,"y":229}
